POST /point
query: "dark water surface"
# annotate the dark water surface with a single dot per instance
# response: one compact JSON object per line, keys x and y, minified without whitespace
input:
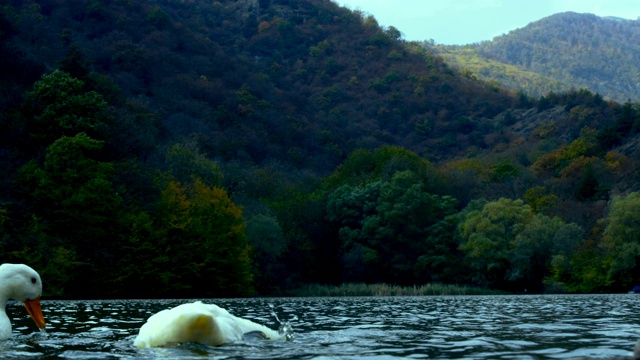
{"x":472,"y":327}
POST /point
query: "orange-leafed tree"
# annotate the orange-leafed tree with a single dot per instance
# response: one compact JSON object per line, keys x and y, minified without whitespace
{"x":203,"y":240}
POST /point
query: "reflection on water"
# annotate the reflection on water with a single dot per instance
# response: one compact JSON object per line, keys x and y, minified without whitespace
{"x":524,"y":327}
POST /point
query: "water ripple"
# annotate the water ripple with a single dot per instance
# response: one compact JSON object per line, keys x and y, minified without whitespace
{"x":473,"y":327}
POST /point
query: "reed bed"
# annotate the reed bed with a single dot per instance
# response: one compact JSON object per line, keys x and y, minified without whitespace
{"x":361,"y":289}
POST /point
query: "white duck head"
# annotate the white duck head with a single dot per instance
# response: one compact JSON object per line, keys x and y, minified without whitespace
{"x":21,"y":283}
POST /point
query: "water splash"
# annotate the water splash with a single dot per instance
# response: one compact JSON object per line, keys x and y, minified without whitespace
{"x":285,"y":330}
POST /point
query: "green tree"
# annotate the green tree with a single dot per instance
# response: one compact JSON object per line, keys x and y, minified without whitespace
{"x":3,"y":218}
{"x":69,"y":203}
{"x":404,"y":221}
{"x":75,"y":206}
{"x":567,"y":244}
{"x":365,"y":166}
{"x":589,"y":185}
{"x":143,"y":269}
{"x":535,"y":247}
{"x":349,"y":207}
{"x":73,"y":185}
{"x":503,"y":172}
{"x":187,"y":163}
{"x":390,"y":229}
{"x":621,"y":242}
{"x":269,"y":245}
{"x":74,"y":63}
{"x":540,"y":200}
{"x":62,"y":107}
{"x":488,"y":236}
{"x":313,"y":249}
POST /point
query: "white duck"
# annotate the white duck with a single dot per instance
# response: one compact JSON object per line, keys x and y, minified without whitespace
{"x":197,"y":322}
{"x":22,"y":283}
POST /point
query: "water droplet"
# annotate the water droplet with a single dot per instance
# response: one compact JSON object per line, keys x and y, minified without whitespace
{"x":285,"y":330}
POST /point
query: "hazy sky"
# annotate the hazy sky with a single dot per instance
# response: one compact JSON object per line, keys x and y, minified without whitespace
{"x":467,"y":21}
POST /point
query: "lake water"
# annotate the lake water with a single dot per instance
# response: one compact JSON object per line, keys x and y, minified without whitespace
{"x":472,"y":327}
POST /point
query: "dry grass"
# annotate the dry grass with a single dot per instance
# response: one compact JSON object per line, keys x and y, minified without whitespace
{"x":361,"y":289}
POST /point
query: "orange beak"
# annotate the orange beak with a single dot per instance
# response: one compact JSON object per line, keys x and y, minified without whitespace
{"x":35,"y":311}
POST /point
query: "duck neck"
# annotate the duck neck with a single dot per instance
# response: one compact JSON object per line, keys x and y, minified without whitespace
{"x":5,"y":294}
{"x":5,"y":323}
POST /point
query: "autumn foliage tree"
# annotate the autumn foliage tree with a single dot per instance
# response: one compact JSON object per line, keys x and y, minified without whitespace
{"x":203,"y":237}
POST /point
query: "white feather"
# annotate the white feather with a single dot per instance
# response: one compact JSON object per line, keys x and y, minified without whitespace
{"x":206,"y":324}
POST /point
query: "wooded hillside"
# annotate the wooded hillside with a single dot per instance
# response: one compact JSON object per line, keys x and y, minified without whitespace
{"x":204,"y":149}
{"x":558,"y":53}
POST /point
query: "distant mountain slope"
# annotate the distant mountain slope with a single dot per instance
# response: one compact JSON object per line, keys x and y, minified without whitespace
{"x":301,"y":81}
{"x":576,"y":50}
{"x":475,"y":66}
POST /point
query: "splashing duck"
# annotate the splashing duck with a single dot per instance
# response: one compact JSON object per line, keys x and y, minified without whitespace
{"x":19,"y":282}
{"x":197,"y":322}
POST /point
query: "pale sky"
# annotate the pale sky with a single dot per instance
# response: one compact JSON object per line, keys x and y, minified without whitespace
{"x":459,"y":22}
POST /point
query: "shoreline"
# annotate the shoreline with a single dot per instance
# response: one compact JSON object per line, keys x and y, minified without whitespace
{"x":362,"y":289}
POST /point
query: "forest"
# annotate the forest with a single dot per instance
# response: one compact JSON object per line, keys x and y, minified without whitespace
{"x":239,"y":148}
{"x":558,"y":53}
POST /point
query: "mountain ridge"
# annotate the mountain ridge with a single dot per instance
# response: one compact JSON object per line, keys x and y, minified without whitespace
{"x":576,"y":50}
